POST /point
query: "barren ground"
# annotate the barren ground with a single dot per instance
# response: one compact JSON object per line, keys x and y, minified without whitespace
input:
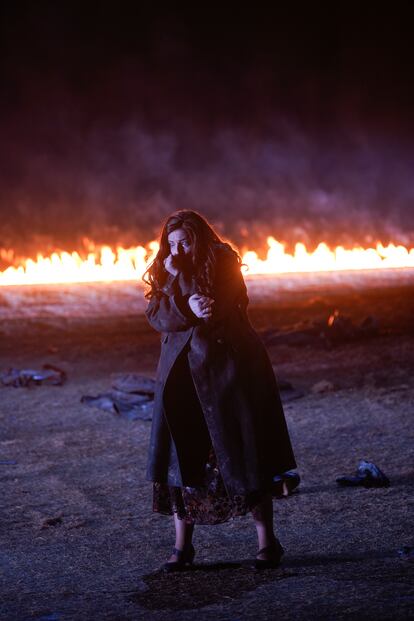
{"x":85,"y":467}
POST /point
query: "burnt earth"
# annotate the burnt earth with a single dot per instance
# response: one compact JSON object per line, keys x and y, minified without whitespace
{"x":78,"y":536}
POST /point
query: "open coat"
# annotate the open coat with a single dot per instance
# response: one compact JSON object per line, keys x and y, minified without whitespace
{"x":220,"y":367}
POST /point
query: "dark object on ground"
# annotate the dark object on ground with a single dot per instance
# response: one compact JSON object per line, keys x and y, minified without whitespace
{"x":337,"y":329}
{"x":26,"y":377}
{"x":133,"y":383}
{"x":286,"y":482}
{"x":8,"y":462}
{"x":341,"y":329}
{"x":367,"y":475}
{"x":131,"y":397}
{"x":132,"y":407}
{"x":406,"y":553}
{"x":373,"y":473}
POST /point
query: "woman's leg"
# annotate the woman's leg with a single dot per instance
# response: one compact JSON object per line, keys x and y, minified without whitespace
{"x":183,"y":535}
{"x":263,"y":519}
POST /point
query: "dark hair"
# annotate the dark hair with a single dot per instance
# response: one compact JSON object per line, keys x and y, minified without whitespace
{"x":204,"y":243}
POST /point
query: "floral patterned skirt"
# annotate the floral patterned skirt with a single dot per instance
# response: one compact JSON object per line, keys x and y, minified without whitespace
{"x":205,"y":504}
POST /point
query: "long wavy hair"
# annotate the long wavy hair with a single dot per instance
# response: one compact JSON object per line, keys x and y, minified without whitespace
{"x":203,"y":239}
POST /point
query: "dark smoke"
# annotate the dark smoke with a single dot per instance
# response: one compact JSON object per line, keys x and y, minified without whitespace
{"x":118,"y":185}
{"x":107,"y":128}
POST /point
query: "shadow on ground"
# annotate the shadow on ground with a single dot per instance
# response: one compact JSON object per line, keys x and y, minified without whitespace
{"x":210,"y":583}
{"x":205,"y":584}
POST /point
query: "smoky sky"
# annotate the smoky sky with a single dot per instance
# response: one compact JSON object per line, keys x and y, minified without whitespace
{"x":286,"y":121}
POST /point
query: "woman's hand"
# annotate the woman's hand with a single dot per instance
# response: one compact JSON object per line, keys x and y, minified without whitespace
{"x":168,"y":264}
{"x":201,"y":305}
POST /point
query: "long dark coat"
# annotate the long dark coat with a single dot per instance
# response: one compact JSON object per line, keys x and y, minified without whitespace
{"x":215,"y":382}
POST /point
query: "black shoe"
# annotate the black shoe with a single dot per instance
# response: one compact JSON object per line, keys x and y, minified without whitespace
{"x":275,"y":552}
{"x":284,"y":484}
{"x":185,"y":559}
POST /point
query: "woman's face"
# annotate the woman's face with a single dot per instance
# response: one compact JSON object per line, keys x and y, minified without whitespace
{"x":179,"y":242}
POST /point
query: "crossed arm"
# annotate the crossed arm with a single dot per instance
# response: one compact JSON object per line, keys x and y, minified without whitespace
{"x":169,"y":311}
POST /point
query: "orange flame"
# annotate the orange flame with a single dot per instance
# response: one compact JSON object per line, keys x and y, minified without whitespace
{"x":126,"y":264}
{"x":322,"y":259}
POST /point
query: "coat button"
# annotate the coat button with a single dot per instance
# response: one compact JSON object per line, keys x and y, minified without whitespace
{"x":220,"y":340}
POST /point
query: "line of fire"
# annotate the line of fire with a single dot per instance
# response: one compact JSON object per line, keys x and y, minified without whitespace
{"x":104,"y":264}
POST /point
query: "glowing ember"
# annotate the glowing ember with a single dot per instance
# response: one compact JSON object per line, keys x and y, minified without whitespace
{"x":126,"y":264}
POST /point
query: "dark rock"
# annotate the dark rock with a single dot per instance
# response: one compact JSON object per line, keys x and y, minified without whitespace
{"x":132,"y":407}
{"x":133,"y":382}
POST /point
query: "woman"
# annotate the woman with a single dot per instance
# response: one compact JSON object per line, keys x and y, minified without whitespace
{"x":218,"y":435}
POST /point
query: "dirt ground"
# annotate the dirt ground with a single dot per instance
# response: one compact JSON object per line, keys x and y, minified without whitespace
{"x":78,"y":536}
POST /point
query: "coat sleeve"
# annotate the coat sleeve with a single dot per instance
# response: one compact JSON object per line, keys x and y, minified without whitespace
{"x":168,"y":310}
{"x":230,"y":292}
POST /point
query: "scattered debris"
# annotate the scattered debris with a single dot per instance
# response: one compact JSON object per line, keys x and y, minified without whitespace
{"x":322,"y":386}
{"x":141,"y":409}
{"x":133,"y":383}
{"x":367,"y":475}
{"x":341,"y":329}
{"x":335,"y":330}
{"x":132,"y":396}
{"x":27,"y":377}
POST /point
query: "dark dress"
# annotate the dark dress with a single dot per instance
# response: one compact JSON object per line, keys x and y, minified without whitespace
{"x":204,"y":504}
{"x":206,"y":501}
